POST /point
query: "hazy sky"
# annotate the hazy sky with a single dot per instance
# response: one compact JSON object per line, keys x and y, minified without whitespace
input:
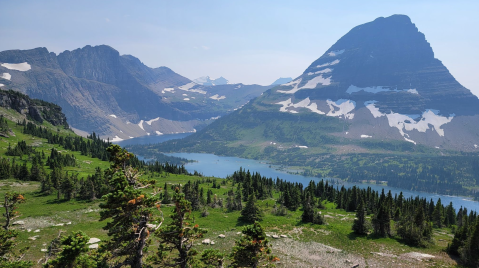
{"x":244,"y":41}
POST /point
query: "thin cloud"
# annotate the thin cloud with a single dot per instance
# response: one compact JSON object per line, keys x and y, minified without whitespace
{"x":107,"y":20}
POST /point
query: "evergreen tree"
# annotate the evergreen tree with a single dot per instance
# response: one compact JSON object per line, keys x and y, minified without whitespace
{"x":360,"y":224}
{"x":10,"y":205}
{"x":73,"y":254}
{"x":212,"y":258}
{"x":179,"y":235}
{"x":166,"y":196}
{"x":308,"y":210}
{"x":470,"y":252}
{"x":382,"y":222}
{"x":416,"y":230}
{"x":252,"y":248}
{"x":128,"y":210}
{"x":251,"y":212}
{"x":437,"y":215}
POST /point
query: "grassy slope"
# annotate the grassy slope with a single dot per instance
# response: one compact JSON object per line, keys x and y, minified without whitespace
{"x":303,"y":248}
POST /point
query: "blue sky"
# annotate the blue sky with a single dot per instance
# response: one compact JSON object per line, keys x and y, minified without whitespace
{"x":244,"y":41}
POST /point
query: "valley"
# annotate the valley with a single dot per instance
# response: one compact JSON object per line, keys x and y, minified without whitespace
{"x":252,"y":135}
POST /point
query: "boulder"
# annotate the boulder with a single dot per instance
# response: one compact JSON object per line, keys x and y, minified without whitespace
{"x":221,"y":236}
{"x":206,"y":241}
{"x":93,"y":246}
{"x":283,"y":236}
{"x":275,"y":236}
{"x":19,"y":223}
{"x":93,"y":240}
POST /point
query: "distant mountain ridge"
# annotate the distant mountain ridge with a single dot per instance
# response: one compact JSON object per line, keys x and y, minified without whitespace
{"x":207,"y":81}
{"x":377,"y":85}
{"x":112,"y":94}
{"x":282,"y":80}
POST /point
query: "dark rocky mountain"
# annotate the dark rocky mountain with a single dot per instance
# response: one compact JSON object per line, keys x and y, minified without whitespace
{"x":33,"y":109}
{"x":113,"y":95}
{"x":282,"y":80}
{"x":378,"y":85}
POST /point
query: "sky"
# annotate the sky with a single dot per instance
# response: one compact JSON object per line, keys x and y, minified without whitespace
{"x":250,"y":42}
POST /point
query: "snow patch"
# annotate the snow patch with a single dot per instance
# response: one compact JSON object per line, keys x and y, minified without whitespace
{"x":152,"y":120}
{"x":314,"y":108}
{"x":292,"y":83}
{"x":406,"y":122}
{"x":345,"y":107}
{"x":475,"y":146}
{"x":373,"y":109}
{"x":184,"y":95}
{"x":285,"y":104}
{"x":412,"y":141}
{"x":376,"y":89}
{"x":293,"y":112}
{"x":239,"y":86}
{"x":141,"y":125}
{"x":327,"y":70}
{"x":365,"y":136}
{"x":112,"y":115}
{"x":2,"y":85}
{"x":22,"y":67}
{"x":317,"y":80}
{"x":336,"y":52}
{"x":158,"y":133}
{"x":6,"y":76}
{"x":186,"y":99}
{"x":116,"y":138}
{"x":334,"y":62}
{"x":187,"y":86}
{"x":303,"y":147}
{"x":168,"y":89}
{"x":217,"y":97}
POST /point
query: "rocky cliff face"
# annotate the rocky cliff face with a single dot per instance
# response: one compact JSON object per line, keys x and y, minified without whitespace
{"x":380,"y":82}
{"x":36,"y":110}
{"x":111,"y":94}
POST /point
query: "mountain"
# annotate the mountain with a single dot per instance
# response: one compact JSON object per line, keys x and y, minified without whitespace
{"x":282,"y":80}
{"x":379,"y":87}
{"x":117,"y":95}
{"x":34,"y":109}
{"x":207,"y":81}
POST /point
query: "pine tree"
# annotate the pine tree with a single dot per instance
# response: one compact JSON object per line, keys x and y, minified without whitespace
{"x":382,"y":222}
{"x":73,"y":253}
{"x":10,"y":206}
{"x":437,"y":215}
{"x":252,"y":248}
{"x":470,"y":252}
{"x":166,"y":196}
{"x":360,"y":224}
{"x":251,"y":212}
{"x":179,"y":235}
{"x":8,"y":257}
{"x":128,"y":209}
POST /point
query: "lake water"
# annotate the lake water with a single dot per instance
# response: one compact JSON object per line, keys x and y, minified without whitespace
{"x":221,"y":166}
